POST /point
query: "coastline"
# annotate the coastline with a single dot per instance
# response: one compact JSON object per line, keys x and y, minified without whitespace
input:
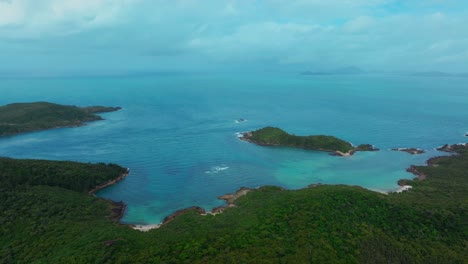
{"x":109,"y":183}
{"x":246,"y":136}
{"x":92,"y":113}
{"x":230,"y":198}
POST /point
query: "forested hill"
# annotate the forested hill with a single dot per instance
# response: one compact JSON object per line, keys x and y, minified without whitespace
{"x":49,"y":219}
{"x":75,"y":176}
{"x":27,"y":117}
{"x":273,"y":136}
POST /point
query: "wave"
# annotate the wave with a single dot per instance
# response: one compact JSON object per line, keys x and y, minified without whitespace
{"x":216,"y":169}
{"x":240,"y":134}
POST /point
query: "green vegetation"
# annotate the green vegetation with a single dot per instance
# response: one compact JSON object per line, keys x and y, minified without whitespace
{"x":46,"y":219}
{"x":27,"y":117}
{"x":80,"y":177}
{"x":272,"y":136}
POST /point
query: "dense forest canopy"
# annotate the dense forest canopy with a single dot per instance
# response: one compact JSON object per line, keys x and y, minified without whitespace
{"x":47,"y":217}
{"x":273,"y":136}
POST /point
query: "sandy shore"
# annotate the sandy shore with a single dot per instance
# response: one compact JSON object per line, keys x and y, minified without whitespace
{"x":404,"y":188}
{"x":145,"y":228}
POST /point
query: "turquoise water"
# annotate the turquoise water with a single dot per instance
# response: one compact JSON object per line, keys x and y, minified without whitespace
{"x":178,"y":136}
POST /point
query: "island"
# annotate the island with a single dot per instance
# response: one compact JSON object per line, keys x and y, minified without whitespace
{"x":273,"y":136}
{"x":351,"y":70}
{"x":412,"y":151}
{"x":29,"y":117}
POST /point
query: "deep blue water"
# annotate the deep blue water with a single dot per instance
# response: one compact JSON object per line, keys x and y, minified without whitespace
{"x":178,"y":136}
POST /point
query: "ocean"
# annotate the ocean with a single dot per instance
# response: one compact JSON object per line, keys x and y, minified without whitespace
{"x":177,"y":132}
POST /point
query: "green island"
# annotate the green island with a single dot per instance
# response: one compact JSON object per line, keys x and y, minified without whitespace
{"x":273,"y":136}
{"x":28,"y":117}
{"x":48,"y":216}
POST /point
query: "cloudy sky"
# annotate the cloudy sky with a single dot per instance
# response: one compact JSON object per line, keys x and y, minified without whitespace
{"x":147,"y":35}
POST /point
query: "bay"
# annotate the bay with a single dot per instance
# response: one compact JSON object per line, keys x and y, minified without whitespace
{"x":177,"y":132}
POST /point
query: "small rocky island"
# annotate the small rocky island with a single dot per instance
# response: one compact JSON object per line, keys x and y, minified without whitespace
{"x":412,"y":151}
{"x":453,"y":148}
{"x":272,"y":136}
{"x":29,"y":117}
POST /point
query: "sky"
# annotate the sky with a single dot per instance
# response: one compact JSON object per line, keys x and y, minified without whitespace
{"x":250,"y":35}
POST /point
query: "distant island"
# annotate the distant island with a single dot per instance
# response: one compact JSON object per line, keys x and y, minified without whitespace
{"x":273,"y":136}
{"x":29,"y":117}
{"x":339,"y":71}
{"x":438,"y":74}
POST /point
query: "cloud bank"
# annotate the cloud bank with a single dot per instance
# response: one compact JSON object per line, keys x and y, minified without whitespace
{"x":386,"y":35}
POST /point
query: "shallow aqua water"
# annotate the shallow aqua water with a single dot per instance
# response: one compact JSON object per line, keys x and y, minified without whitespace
{"x":178,"y":136}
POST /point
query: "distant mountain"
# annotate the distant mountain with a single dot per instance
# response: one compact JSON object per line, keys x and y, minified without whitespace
{"x":338,"y":71}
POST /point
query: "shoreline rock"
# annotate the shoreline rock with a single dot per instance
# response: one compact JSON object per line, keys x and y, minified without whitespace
{"x":414,"y":170}
{"x":246,"y":136}
{"x":109,"y":183}
{"x":412,"y":151}
{"x":118,"y":211}
{"x":229,"y":198}
{"x":172,"y":216}
{"x":452,"y":148}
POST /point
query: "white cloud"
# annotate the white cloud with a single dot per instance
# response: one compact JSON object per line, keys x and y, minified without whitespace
{"x":11,"y":13}
{"x":312,"y":33}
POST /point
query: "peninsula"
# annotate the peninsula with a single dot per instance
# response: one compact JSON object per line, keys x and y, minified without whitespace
{"x":273,"y":136}
{"x":29,"y":117}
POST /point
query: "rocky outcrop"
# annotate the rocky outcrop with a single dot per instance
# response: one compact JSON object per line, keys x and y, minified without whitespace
{"x":118,"y":210}
{"x":171,"y":217}
{"x":366,"y":147}
{"x":109,"y":183}
{"x":412,"y":151}
{"x":453,"y":148}
{"x":231,"y":198}
{"x":413,"y":169}
{"x":100,"y":109}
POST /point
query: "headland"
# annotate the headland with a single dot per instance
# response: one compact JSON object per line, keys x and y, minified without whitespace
{"x":20,"y":118}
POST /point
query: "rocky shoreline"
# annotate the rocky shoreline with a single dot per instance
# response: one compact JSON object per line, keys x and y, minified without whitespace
{"x":230,"y":202}
{"x":247,"y":136}
{"x":452,"y":148}
{"x":232,"y":197}
{"x":412,"y":151}
{"x":109,"y":183}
